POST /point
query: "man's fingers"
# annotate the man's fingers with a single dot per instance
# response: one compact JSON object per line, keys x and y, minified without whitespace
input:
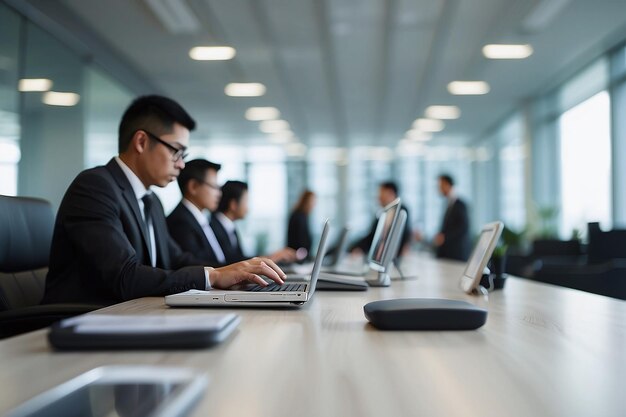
{"x":271,"y":264}
{"x":256,"y":279}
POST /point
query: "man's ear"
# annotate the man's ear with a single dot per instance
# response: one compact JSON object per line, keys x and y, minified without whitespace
{"x":232,"y":205}
{"x":192,"y":187}
{"x":139,"y":142}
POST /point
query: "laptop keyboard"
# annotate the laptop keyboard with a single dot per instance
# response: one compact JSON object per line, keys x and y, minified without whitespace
{"x":277,"y":287}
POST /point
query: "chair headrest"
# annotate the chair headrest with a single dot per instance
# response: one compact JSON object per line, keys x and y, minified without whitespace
{"x":26,"y":226}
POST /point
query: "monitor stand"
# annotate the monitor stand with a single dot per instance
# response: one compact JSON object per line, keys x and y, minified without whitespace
{"x":378,"y":279}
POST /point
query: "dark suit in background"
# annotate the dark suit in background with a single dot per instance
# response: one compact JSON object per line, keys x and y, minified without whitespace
{"x":100,"y":252}
{"x":298,"y":232}
{"x":366,"y":242}
{"x":455,"y":228}
{"x":233,"y":253}
{"x":187,"y":232}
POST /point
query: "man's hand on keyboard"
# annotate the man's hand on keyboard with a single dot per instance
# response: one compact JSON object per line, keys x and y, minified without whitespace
{"x":249,"y":270}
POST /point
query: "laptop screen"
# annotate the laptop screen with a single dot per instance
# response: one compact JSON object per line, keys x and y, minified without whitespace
{"x":321,"y":251}
{"x":380,"y":243}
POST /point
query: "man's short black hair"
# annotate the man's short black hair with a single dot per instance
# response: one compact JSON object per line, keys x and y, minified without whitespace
{"x":390,"y":185}
{"x":447,"y":178}
{"x":157,"y":114}
{"x":231,"y":191}
{"x":195,"y":170}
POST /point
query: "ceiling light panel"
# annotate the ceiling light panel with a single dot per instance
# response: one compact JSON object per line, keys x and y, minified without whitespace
{"x":212,"y":53}
{"x":175,"y":15}
{"x":429,"y":125}
{"x":34,"y":84}
{"x":244,"y":89}
{"x":262,"y":113}
{"x":274,"y":126}
{"x":443,"y":112}
{"x":53,"y":98}
{"x":502,"y":51}
{"x":468,"y":87}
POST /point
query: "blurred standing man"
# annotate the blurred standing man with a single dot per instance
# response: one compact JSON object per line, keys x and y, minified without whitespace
{"x":452,"y":241}
{"x":110,"y":241}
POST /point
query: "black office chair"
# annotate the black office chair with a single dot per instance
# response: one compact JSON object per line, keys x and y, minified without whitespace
{"x":26,"y":226}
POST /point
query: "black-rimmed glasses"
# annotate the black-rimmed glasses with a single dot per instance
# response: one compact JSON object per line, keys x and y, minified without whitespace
{"x":177,"y":153}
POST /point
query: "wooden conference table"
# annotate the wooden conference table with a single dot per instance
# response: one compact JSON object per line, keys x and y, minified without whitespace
{"x":545,"y":351}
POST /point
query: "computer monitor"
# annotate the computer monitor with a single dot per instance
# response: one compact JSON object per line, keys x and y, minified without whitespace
{"x":386,"y":242}
{"x":486,"y":243}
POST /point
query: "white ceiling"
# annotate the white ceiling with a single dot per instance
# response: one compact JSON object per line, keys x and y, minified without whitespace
{"x":346,"y":72}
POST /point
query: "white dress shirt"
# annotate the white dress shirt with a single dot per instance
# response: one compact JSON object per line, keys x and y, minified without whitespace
{"x":203,"y":221}
{"x":140,"y":190}
{"x":229,"y":226}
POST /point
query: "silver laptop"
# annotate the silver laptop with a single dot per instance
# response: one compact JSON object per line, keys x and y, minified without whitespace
{"x":274,"y":295}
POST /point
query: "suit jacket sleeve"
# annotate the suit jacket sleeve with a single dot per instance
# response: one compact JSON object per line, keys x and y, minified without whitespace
{"x":93,"y":224}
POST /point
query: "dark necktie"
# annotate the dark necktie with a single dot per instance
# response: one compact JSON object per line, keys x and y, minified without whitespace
{"x":147,"y":208}
{"x":147,"y":213}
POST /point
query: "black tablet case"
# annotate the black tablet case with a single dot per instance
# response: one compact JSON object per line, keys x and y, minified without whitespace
{"x":66,"y":338}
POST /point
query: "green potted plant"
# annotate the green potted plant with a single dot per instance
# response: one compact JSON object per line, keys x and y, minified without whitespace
{"x":497,"y":267}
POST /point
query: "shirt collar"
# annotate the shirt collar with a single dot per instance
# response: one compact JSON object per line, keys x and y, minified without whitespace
{"x":197,"y":214}
{"x":228,"y":224}
{"x":138,"y":188}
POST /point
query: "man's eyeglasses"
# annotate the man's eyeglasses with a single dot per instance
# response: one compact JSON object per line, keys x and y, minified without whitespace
{"x":177,"y":153}
{"x":212,"y":186}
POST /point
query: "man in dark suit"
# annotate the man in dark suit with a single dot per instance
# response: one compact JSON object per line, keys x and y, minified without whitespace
{"x":188,"y":224}
{"x":387,"y":193}
{"x":233,"y":206}
{"x":111,"y":242}
{"x":452,"y":241}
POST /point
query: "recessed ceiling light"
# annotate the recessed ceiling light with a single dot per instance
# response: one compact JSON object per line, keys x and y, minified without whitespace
{"x":296,"y":149}
{"x":418,"y":135}
{"x":274,"y":126}
{"x":34,"y":84}
{"x":443,"y":112}
{"x":468,"y":88}
{"x":212,"y":53}
{"x":428,"y":125}
{"x":507,"y":51}
{"x":54,"y":98}
{"x":262,"y":113}
{"x":244,"y":89}
{"x":282,"y":137}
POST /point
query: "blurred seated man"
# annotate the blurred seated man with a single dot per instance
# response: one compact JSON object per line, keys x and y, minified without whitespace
{"x":189,"y":222}
{"x":233,"y":206}
{"x":387,"y":192}
{"x":110,"y":242}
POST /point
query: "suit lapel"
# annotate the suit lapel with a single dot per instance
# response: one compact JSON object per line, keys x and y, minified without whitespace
{"x":222,"y":237}
{"x":131,"y":200}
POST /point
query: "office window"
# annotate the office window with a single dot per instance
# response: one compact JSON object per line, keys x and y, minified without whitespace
{"x":265,"y":228}
{"x":52,"y":132}
{"x":105,"y":102}
{"x":586,"y":165}
{"x":9,"y":118}
{"x":512,"y":174}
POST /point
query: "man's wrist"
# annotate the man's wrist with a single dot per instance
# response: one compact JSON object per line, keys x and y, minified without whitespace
{"x":207,"y":276}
